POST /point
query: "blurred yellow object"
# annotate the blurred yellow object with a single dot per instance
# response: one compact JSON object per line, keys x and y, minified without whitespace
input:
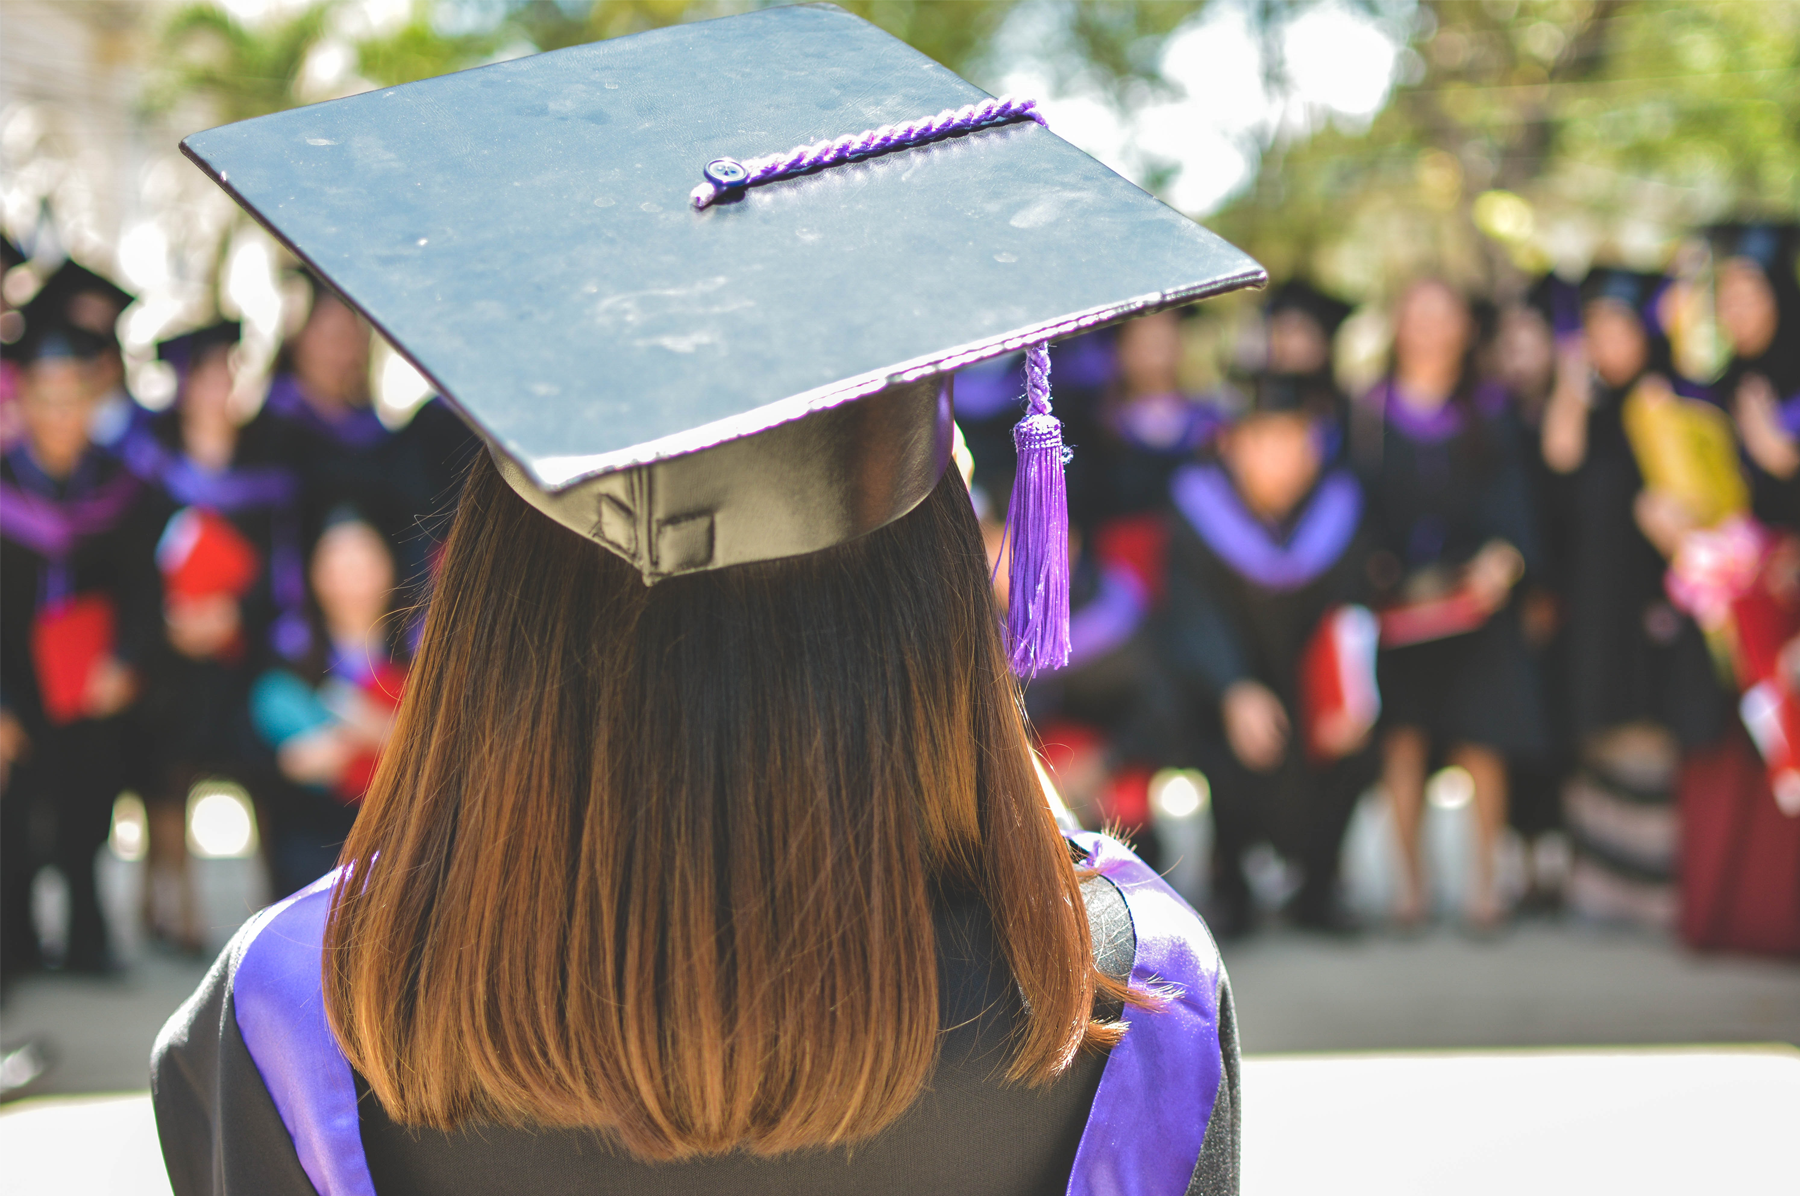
{"x":1686,"y":448}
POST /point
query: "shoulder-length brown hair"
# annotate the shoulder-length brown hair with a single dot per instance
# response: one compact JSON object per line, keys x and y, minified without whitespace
{"x":662,"y":861}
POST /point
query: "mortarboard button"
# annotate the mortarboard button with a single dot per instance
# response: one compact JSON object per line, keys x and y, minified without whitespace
{"x":727,"y":173}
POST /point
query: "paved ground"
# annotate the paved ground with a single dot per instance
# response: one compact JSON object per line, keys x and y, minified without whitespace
{"x":1543,"y":985}
{"x":1649,"y":1121}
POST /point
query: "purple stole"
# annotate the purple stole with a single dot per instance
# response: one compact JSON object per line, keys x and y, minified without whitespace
{"x":1167,"y":425}
{"x":1207,"y":500}
{"x":996,"y":387}
{"x":53,"y":527}
{"x":1143,"y":1135}
{"x":1438,"y":425}
{"x":1110,"y":618}
{"x":357,"y":430}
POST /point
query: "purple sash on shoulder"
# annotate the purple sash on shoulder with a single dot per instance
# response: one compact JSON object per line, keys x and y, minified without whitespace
{"x":229,"y":491}
{"x":1207,"y":500}
{"x":1169,"y":425}
{"x":989,"y":389}
{"x":1116,"y":611}
{"x":1440,"y":423}
{"x":1143,"y":1136}
{"x":280,"y":1005}
{"x":1156,"y":1095}
{"x":52,"y":528}
{"x":357,"y":429}
{"x":1790,"y":416}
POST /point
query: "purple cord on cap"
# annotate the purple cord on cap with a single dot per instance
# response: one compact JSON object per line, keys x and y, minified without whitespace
{"x":1037,"y":530}
{"x":1037,"y":517}
{"x":728,"y":176}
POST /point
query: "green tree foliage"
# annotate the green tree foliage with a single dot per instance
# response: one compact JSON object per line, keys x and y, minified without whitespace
{"x":239,"y":70}
{"x":1523,"y":132}
{"x":1541,"y":132}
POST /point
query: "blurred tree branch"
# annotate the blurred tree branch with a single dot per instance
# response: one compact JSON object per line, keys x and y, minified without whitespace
{"x":239,"y":70}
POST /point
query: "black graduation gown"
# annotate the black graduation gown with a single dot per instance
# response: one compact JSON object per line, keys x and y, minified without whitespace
{"x":1111,"y":682}
{"x":404,"y":482}
{"x":1631,"y":656}
{"x":1439,"y":488}
{"x":196,"y":708}
{"x":74,"y":770}
{"x":222,"y":1133}
{"x":1242,"y":611}
{"x":1775,"y":500}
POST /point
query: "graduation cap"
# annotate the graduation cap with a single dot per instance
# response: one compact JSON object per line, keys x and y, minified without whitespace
{"x":185,"y":351}
{"x":1297,"y":294}
{"x":75,"y":296}
{"x":703,"y":289}
{"x":45,"y":338}
{"x":1634,"y":289}
{"x":1773,"y":248}
{"x":1559,"y":302}
{"x":1290,"y":394}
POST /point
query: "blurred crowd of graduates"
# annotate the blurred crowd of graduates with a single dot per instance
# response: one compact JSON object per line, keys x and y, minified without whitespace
{"x":197,"y":593}
{"x":1534,"y":549}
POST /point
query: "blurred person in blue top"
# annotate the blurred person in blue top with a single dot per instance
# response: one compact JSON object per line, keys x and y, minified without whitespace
{"x":327,"y":716}
{"x":78,"y":621}
{"x":233,"y":594}
{"x":1450,"y":503}
{"x":1269,"y":545}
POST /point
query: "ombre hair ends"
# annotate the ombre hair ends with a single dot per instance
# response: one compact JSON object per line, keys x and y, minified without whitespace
{"x":662,"y":861}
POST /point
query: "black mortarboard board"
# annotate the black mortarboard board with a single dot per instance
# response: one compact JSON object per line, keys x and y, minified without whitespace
{"x":1297,"y":294}
{"x":1290,"y":394}
{"x":184,"y":350}
{"x":53,"y":303}
{"x":1773,"y":247}
{"x":44,"y":338}
{"x":1559,"y":302}
{"x":524,"y":234}
{"x":1632,"y":288}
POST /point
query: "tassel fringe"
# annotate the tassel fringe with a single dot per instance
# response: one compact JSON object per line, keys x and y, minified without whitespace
{"x":1037,"y":530}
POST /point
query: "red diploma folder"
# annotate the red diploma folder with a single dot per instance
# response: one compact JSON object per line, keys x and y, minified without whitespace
{"x":201,"y":554}
{"x":1339,"y":701}
{"x":1455,"y":613}
{"x":67,"y":641}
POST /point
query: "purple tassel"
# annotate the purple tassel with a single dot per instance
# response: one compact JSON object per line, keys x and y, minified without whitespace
{"x":1037,"y":528}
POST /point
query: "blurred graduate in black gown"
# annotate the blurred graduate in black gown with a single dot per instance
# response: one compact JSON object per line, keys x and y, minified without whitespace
{"x":79,"y":614}
{"x":77,"y":296}
{"x":1302,"y":325}
{"x":1269,"y":543}
{"x":403,"y":481}
{"x":1759,"y":313}
{"x":233,"y":593}
{"x":1149,"y":426}
{"x":1532,"y":335}
{"x":1641,"y":687}
{"x":1450,"y":501}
